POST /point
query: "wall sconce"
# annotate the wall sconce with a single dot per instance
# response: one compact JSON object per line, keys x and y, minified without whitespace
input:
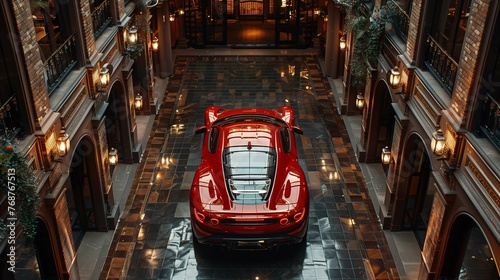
{"x":132,"y":35}
{"x":171,"y":17}
{"x":63,"y":143}
{"x":180,"y":12}
{"x":113,"y":156}
{"x":104,"y":76}
{"x":386,"y":155}
{"x":438,"y":143}
{"x":342,"y":43}
{"x":360,"y":101}
{"x":154,"y":43}
{"x":395,"y":77}
{"x":138,"y":102}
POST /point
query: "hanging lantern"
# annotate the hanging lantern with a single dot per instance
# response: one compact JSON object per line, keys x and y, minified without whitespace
{"x":104,"y":76}
{"x":438,"y":143}
{"x":132,"y":35}
{"x":386,"y":155}
{"x":395,"y":77}
{"x":342,"y":43}
{"x":113,"y":156}
{"x":154,"y":44}
{"x":360,"y":101}
{"x":138,"y":102}
{"x":63,"y":143}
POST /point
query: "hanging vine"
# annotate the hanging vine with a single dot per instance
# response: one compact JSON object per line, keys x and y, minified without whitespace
{"x":18,"y":184}
{"x":367,"y":35}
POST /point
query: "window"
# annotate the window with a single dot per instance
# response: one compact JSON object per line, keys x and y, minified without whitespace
{"x":213,"y":139}
{"x":487,"y":111}
{"x":449,"y":22}
{"x":285,"y":139}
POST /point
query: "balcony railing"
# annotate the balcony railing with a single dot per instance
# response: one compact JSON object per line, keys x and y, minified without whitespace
{"x":401,"y":21}
{"x":441,"y":64}
{"x":10,"y":119}
{"x":101,"y":17}
{"x":60,"y":63}
{"x":490,"y":120}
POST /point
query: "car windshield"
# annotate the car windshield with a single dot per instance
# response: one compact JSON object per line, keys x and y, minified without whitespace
{"x":249,"y":171}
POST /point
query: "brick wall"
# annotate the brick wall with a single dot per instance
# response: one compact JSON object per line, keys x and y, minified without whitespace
{"x":468,"y":62}
{"x":26,"y":38}
{"x":416,"y":12}
{"x":88,"y":29}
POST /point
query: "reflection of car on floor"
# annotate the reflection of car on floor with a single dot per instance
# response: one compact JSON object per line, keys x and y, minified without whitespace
{"x":249,"y":191}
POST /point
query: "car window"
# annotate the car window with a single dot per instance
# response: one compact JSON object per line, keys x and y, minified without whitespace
{"x":285,"y":139}
{"x":213,"y":139}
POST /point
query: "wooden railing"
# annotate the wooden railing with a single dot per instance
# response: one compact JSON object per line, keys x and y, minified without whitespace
{"x":10,"y":118}
{"x":101,"y":17}
{"x":489,"y":122}
{"x":401,"y":22}
{"x":60,"y":63}
{"x":441,"y":64}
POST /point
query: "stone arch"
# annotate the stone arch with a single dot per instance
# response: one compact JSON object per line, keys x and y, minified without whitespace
{"x":468,"y":253}
{"x":44,"y":249}
{"x":415,"y":188}
{"x":118,"y":123}
{"x":85,"y":197}
{"x":379,"y":122}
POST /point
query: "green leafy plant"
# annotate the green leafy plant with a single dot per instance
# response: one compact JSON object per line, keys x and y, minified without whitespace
{"x":367,"y":37}
{"x":18,"y":184}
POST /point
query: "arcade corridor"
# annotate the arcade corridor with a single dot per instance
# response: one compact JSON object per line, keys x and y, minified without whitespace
{"x":153,"y":240}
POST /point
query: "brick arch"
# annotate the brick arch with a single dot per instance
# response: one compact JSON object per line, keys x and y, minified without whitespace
{"x":459,"y":248}
{"x":85,"y":196}
{"x":379,"y":123}
{"x":118,"y":119}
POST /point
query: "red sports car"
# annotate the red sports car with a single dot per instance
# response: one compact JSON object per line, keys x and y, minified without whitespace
{"x":249,"y":191}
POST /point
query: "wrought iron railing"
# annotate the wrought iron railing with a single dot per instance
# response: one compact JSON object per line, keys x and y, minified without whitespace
{"x":10,"y":119}
{"x":489,"y":122}
{"x":60,"y":63}
{"x":401,"y":21}
{"x":101,"y":17}
{"x":441,"y":64}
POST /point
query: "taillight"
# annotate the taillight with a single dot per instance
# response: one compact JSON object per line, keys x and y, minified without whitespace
{"x":299,"y":215}
{"x":199,"y":216}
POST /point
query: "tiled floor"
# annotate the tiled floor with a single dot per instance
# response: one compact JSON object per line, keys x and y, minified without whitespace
{"x":153,"y":240}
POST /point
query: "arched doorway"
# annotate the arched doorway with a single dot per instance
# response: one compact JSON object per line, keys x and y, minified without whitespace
{"x":468,"y":253}
{"x":420,"y":189}
{"x":44,"y":253}
{"x":85,"y":196}
{"x":117,"y":124}
{"x":380,"y":123}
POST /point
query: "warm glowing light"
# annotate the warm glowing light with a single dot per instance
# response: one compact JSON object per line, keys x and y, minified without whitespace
{"x":104,"y":76}
{"x":63,"y":143}
{"x":113,"y":156}
{"x":138,"y":102}
{"x":154,"y":44}
{"x":172,"y":17}
{"x":360,"y":101}
{"x":181,"y":12}
{"x":438,"y":142}
{"x":342,"y":43}
{"x":386,"y":155}
{"x":132,"y":35}
{"x":395,"y":77}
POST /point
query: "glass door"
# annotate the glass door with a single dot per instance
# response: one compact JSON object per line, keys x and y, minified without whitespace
{"x":193,"y":23}
{"x":215,"y":21}
{"x":286,"y":21}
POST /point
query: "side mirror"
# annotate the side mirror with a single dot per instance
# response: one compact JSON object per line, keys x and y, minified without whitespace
{"x":297,"y":130}
{"x":200,"y":130}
